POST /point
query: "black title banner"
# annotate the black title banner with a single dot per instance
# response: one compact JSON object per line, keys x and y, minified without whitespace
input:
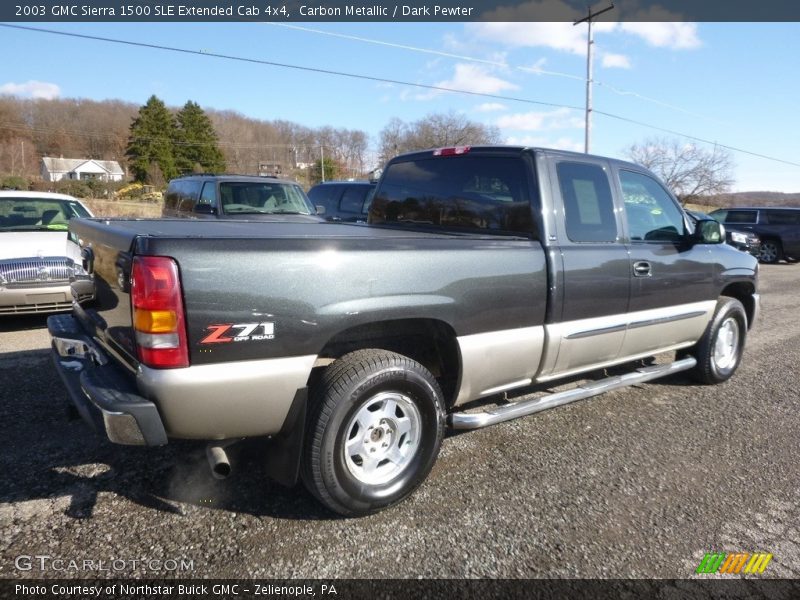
{"x":411,"y":10}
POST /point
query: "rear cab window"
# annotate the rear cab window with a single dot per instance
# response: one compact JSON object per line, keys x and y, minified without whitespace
{"x":588,"y":202}
{"x":268,"y":197}
{"x":470,"y":192}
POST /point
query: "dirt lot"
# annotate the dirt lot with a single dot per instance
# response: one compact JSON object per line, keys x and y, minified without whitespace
{"x":640,"y":482}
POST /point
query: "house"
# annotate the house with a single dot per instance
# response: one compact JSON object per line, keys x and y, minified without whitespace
{"x":56,"y":169}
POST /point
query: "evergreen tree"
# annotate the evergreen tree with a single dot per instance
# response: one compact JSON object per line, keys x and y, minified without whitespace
{"x":196,"y":142}
{"x":333,"y":170}
{"x":151,"y":142}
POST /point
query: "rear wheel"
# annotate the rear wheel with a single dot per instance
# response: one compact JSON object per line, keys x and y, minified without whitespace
{"x":375,"y":426}
{"x":719,"y":351}
{"x":771,"y":251}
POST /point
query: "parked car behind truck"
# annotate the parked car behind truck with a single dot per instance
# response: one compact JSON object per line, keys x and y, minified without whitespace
{"x":37,"y":260}
{"x":778,"y":228}
{"x":206,"y":196}
{"x":746,"y":241}
{"x":484,"y":271}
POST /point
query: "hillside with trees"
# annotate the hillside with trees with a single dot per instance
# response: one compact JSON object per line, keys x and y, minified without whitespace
{"x":76,"y":128}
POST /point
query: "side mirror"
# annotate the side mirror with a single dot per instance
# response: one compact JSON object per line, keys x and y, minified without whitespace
{"x":320,"y":209}
{"x":205,"y":209}
{"x":709,"y":231}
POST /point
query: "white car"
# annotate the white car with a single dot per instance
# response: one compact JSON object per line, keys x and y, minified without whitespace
{"x":37,"y":260}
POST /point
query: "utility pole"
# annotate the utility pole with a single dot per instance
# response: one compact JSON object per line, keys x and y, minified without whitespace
{"x":322,"y":161}
{"x":589,"y":66}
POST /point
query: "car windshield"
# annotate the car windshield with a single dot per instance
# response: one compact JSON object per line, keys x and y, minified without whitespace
{"x":38,"y":214}
{"x":269,"y":197}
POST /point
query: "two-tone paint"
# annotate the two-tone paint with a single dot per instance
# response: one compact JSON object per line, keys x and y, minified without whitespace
{"x":519,"y":309}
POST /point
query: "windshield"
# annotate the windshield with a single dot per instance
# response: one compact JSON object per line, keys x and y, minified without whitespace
{"x":38,"y":214}
{"x":267,"y":198}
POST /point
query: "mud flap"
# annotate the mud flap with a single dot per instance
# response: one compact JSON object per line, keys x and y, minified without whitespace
{"x":284,"y":450}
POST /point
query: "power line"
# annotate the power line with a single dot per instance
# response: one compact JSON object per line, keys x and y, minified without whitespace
{"x":394,"y":81}
{"x":695,"y":138}
{"x":494,"y":63}
{"x":286,"y":66}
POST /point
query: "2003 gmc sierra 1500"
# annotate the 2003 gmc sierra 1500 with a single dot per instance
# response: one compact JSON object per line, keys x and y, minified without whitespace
{"x":353,"y":347}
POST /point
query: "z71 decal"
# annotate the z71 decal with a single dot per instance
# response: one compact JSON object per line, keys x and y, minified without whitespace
{"x":239,"y":332}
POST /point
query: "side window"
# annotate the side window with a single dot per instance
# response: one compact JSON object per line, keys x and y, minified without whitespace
{"x":782,"y":217}
{"x":209,"y":194}
{"x":721,"y":215}
{"x":353,"y":198}
{"x":741,"y":216}
{"x":324,"y":195}
{"x":368,"y":202}
{"x":652,"y":214}
{"x":172,"y":197}
{"x":588,"y":204}
{"x":188,"y":192}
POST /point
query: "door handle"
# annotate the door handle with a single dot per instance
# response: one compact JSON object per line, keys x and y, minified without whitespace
{"x":641,"y":269}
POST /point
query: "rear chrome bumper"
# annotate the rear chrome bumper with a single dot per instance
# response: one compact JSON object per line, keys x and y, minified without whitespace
{"x":103,"y":394}
{"x":206,"y":402}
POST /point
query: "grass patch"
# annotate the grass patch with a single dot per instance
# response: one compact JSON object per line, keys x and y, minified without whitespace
{"x":113,"y":208}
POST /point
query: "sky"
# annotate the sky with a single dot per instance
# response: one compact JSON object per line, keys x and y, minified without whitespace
{"x":733,"y":84}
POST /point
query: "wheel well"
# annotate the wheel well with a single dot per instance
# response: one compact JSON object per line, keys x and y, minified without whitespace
{"x":770,"y":238}
{"x":743,"y":292}
{"x":430,"y":342}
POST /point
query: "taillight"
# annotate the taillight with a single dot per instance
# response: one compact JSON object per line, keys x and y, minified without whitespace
{"x":451,"y":151}
{"x":158,"y":318}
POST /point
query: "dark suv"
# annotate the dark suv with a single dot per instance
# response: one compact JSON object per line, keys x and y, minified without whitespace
{"x":746,"y":241}
{"x":236,"y":197}
{"x":346,"y":201}
{"x":778,"y":228}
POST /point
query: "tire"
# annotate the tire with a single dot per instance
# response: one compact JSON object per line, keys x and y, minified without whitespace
{"x":771,"y":251}
{"x":719,"y":351}
{"x":375,"y":426}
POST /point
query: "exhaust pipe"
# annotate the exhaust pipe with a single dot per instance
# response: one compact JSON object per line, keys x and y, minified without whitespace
{"x":218,"y":458}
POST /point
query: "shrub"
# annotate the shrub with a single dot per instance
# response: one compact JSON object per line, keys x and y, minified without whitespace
{"x":14,"y":182}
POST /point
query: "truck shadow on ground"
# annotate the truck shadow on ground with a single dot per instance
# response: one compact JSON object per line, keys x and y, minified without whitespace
{"x":51,"y":454}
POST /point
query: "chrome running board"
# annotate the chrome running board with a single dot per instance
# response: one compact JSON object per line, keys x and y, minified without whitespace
{"x":524,"y":408}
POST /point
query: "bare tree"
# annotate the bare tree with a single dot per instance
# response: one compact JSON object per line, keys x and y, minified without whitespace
{"x":688,"y":170}
{"x":432,"y":131}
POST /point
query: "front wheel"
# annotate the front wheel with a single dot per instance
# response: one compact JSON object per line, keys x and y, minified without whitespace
{"x":771,"y":251}
{"x":719,"y":351}
{"x":375,"y":426}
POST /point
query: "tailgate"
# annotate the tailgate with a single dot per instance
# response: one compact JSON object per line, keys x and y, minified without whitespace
{"x":106,"y":253}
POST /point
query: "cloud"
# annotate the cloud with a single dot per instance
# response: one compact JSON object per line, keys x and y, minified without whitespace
{"x":619,"y":61}
{"x":523,"y":26}
{"x":32,"y":89}
{"x":474,"y":78}
{"x":677,"y":36}
{"x":562,"y":118}
{"x":490,"y":107}
{"x":562,"y":143}
{"x":559,"y":36}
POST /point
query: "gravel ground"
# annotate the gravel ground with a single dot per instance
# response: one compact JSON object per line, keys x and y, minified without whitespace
{"x":640,"y":482}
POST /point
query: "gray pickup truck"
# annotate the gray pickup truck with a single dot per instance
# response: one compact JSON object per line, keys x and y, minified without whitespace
{"x":483,"y":272}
